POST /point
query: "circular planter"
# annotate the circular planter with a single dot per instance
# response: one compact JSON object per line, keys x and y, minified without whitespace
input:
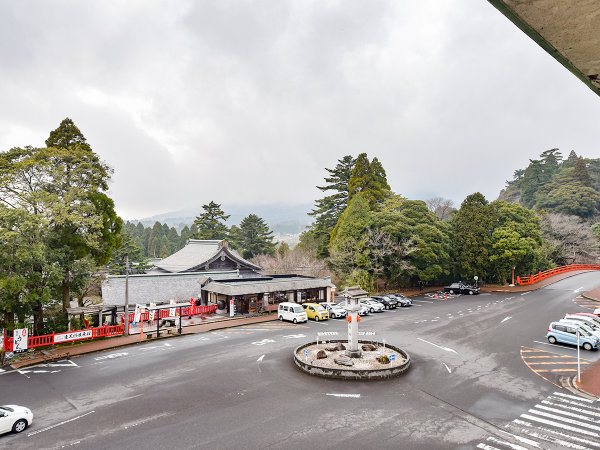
{"x":349,"y":373}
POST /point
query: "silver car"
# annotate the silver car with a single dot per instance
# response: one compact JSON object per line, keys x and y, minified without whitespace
{"x":335,"y":310}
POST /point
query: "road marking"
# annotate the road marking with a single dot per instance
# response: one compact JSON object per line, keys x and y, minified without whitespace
{"x":566,"y":420}
{"x":422,"y":301}
{"x":447,"y":368}
{"x":525,"y":293}
{"x":565,"y":413}
{"x":168,"y":345}
{"x":506,"y":318}
{"x":59,"y":424}
{"x":263,"y":342}
{"x":439,"y":346}
{"x":295,"y":336}
{"x":555,"y":345}
{"x":111,"y":356}
{"x":578,"y":290}
{"x":345,"y":395}
{"x":572,"y":397}
{"x":507,"y":444}
{"x":554,"y":440}
{"x":486,"y":447}
{"x":260,"y":359}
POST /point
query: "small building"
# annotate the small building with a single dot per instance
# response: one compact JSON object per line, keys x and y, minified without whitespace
{"x":264,"y":293}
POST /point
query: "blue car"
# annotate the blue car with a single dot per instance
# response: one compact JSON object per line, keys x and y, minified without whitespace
{"x":567,"y":334}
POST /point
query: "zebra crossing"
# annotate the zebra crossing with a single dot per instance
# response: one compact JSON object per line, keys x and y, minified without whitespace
{"x":560,"y":421}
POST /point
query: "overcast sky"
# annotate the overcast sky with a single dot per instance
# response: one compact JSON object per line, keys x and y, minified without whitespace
{"x":246,"y":102}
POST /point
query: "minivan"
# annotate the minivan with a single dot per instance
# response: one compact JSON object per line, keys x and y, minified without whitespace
{"x":567,"y":334}
{"x":292,"y":312}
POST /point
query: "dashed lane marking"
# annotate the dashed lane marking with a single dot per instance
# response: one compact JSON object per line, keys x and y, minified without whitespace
{"x":59,"y":424}
{"x":546,"y":363}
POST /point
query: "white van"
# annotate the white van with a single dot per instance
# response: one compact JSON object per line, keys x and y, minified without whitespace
{"x":292,"y":312}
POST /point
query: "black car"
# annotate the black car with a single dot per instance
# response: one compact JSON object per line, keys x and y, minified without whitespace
{"x":402,"y":299}
{"x":461,"y":288}
{"x":388,"y":302}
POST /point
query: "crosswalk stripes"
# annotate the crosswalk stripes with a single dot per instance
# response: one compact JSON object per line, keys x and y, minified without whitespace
{"x":557,"y":422}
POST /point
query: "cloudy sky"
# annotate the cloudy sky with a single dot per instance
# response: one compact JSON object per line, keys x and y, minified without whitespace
{"x":246,"y":102}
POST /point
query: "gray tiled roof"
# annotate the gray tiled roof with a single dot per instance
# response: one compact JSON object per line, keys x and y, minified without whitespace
{"x":198,"y":253}
{"x":263,"y":285}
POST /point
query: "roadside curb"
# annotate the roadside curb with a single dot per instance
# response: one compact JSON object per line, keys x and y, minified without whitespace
{"x":75,"y":352}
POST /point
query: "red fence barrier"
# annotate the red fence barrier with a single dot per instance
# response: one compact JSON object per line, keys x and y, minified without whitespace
{"x":187,"y":311}
{"x":551,"y":272}
{"x":56,"y":338}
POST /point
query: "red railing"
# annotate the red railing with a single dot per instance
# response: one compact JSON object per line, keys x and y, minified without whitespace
{"x":557,"y":270}
{"x":48,"y":339}
{"x":187,"y":311}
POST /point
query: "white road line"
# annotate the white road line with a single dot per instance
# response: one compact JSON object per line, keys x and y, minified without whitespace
{"x":578,"y":290}
{"x":260,"y":359}
{"x":508,"y":298}
{"x":422,"y":301}
{"x":571,"y":402}
{"x":486,"y":447}
{"x":59,"y":424}
{"x":525,"y":293}
{"x":447,"y":368}
{"x":559,"y":425}
{"x":564,"y":419}
{"x":550,"y":430}
{"x":555,"y":345}
{"x":345,"y":395}
{"x":566,"y":413}
{"x":573,"y":397}
{"x":507,"y":444}
{"x":505,"y":319}
{"x":572,"y":408}
{"x":439,"y":346}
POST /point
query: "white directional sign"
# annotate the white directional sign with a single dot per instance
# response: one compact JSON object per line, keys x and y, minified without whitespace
{"x":328,"y":333}
{"x":366,"y":333}
{"x":72,"y":336}
{"x":20,"y":339}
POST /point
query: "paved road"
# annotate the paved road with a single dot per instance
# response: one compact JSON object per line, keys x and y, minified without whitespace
{"x":474,"y":380}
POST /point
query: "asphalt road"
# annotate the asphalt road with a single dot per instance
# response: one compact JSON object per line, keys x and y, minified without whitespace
{"x":238,"y":388}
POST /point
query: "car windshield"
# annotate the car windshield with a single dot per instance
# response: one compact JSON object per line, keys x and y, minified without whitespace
{"x":6,"y":408}
{"x":319,"y":308}
{"x":297,"y":309}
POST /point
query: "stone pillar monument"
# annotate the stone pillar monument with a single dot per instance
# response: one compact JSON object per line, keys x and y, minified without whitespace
{"x":353,"y":306}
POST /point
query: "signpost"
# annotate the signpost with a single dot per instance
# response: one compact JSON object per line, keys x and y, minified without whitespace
{"x":578,"y":363}
{"x":72,"y":336}
{"x":392,"y":358}
{"x":231,"y":308}
{"x":20,"y":336}
{"x":306,"y":355}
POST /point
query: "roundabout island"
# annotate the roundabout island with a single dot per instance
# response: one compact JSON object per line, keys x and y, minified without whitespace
{"x":352,"y":359}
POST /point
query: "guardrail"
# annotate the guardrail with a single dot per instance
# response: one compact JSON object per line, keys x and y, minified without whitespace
{"x":557,"y":270}
{"x":187,"y":311}
{"x":56,"y":338}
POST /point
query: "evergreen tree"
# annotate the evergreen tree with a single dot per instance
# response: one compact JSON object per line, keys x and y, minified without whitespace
{"x":328,"y":210}
{"x":370,"y":179}
{"x":255,"y":237}
{"x":580,"y":173}
{"x":211,"y":223}
{"x":472,"y":230}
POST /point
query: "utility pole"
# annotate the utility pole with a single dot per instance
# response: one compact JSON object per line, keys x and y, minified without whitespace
{"x":126,"y":316}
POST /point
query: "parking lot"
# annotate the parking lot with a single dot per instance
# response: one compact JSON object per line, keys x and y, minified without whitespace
{"x":480,"y":363}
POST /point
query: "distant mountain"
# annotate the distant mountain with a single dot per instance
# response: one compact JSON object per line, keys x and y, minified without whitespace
{"x":283,"y":219}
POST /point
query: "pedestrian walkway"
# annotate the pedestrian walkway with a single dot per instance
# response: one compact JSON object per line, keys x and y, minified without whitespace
{"x":77,"y":349}
{"x":559,"y":421}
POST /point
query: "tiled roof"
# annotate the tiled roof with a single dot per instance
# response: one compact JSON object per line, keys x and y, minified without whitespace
{"x":198,"y":253}
{"x":265,"y":284}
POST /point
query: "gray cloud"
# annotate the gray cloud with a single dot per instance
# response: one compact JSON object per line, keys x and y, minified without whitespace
{"x":248,"y":102}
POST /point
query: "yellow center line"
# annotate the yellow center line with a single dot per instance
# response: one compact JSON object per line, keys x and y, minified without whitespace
{"x":557,"y":370}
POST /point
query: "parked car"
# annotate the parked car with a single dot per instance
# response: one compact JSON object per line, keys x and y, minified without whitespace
{"x":372,"y":305}
{"x":292,"y":312}
{"x":589,"y":328}
{"x":461,"y":288}
{"x":593,"y":321}
{"x":14,"y":418}
{"x":335,"y":311}
{"x":364,"y":311}
{"x":567,"y":334}
{"x":315,"y":311}
{"x":388,"y":302}
{"x":402,"y":299}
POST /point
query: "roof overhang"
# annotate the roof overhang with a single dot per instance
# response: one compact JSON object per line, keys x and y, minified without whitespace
{"x":569,"y":30}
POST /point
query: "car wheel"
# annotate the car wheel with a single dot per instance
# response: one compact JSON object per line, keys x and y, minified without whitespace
{"x":316,"y":318}
{"x":587,"y":346}
{"x":452,"y":291}
{"x":19,"y":425}
{"x":281,"y":318}
{"x":552,"y":339}
{"x":470,"y":292}
{"x":295,"y":321}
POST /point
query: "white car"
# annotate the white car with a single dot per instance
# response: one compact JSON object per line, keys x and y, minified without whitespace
{"x":372,"y":305}
{"x":335,"y":311}
{"x":14,"y":418}
{"x":364,"y":311}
